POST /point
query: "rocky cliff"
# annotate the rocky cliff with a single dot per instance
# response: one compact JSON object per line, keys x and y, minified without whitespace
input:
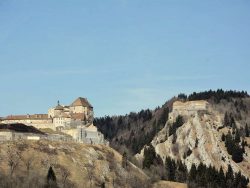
{"x":199,"y":139}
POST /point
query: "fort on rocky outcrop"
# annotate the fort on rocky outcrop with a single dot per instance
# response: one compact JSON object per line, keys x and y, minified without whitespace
{"x":75,"y":120}
{"x":188,"y":108}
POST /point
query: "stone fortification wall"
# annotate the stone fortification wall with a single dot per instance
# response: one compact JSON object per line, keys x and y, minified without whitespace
{"x":28,"y":121}
{"x":188,"y":108}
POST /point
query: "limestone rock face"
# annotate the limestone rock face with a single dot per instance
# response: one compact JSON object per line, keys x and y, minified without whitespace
{"x":198,"y":140}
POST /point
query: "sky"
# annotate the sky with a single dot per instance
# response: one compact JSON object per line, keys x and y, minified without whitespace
{"x":123,"y":55}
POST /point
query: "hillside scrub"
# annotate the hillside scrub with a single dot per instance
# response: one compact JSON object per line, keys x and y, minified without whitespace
{"x":24,"y":165}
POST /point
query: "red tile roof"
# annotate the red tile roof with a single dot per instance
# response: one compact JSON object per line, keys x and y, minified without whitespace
{"x":81,"y":102}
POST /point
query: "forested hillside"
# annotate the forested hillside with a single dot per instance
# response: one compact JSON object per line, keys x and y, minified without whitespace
{"x":131,"y":132}
{"x":230,"y":115}
{"x":134,"y":130}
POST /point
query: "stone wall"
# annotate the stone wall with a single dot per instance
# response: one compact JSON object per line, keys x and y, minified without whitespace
{"x":188,"y":108}
{"x":89,"y":135}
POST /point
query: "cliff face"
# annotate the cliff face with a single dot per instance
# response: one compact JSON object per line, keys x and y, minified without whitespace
{"x":199,"y":139}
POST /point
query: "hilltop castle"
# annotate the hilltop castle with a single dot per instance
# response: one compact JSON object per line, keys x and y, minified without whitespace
{"x":188,"y":108}
{"x":75,"y":119}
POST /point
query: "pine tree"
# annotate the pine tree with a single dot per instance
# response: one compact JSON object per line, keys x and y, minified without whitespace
{"x":181,"y":172}
{"x":124,"y":160}
{"x":244,"y":181}
{"x":51,"y":179}
{"x":170,"y":169}
{"x":232,"y":121}
{"x":237,"y":154}
{"x":223,"y":137}
{"x":229,"y":143}
{"x":247,"y":131}
{"x":149,"y":156}
{"x":237,"y":180}
{"x":192,"y":173}
{"x":226,"y":120}
{"x":201,"y":176}
{"x":237,"y":136}
{"x":221,"y":177}
{"x":229,"y":177}
{"x":243,"y":144}
{"x":164,"y":116}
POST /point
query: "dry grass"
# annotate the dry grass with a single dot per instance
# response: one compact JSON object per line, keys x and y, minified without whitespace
{"x":169,"y":184}
{"x":73,"y":157}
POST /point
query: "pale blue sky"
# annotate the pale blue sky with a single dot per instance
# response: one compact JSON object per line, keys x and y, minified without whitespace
{"x":123,"y":55}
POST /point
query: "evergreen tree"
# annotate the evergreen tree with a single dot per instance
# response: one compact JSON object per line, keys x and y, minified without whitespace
{"x":222,"y":178}
{"x":201,"y":175}
{"x":181,"y":172}
{"x":229,"y":143}
{"x":237,"y":180}
{"x":237,"y":154}
{"x":247,"y":132}
{"x":149,"y":156}
{"x":192,"y":173}
{"x":223,"y":137}
{"x":230,"y":177}
{"x":232,"y":121}
{"x":243,"y":144}
{"x":237,"y":136}
{"x":178,"y":123}
{"x":244,"y":181}
{"x":124,"y":160}
{"x":226,"y":120}
{"x":170,"y":169}
{"x":164,"y":116}
{"x":51,"y":179}
{"x":182,"y":96}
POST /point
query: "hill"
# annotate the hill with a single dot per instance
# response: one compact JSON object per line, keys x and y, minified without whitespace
{"x":26,"y":164}
{"x":133,"y":131}
{"x":212,"y":142}
{"x":200,"y":139}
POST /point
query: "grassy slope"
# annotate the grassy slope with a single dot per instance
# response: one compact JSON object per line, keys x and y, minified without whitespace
{"x":73,"y":157}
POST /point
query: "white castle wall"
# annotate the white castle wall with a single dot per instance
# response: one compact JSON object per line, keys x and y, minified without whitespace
{"x":188,"y":108}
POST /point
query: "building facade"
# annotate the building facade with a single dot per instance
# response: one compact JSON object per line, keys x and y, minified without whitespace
{"x":75,"y":120}
{"x":188,"y":108}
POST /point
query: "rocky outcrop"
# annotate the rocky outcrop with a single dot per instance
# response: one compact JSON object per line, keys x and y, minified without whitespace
{"x":198,"y":140}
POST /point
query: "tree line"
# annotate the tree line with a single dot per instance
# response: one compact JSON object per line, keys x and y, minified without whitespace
{"x":200,"y":176}
{"x":216,"y":96}
{"x":131,"y":127}
{"x":234,"y":139}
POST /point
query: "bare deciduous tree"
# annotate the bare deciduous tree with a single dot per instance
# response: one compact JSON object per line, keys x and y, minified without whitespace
{"x":64,"y":172}
{"x":90,"y":171}
{"x":48,"y":161}
{"x":28,"y":160}
{"x":13,"y":158}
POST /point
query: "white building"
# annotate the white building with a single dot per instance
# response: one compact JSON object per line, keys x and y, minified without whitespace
{"x":80,"y":112}
{"x":75,"y":120}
